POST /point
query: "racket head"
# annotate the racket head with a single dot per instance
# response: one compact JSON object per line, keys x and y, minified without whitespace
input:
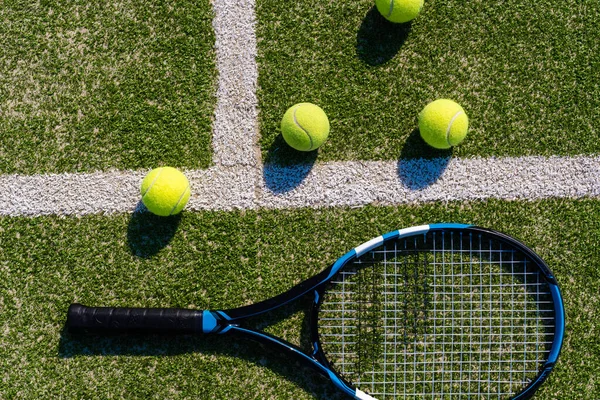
{"x":444,"y":310}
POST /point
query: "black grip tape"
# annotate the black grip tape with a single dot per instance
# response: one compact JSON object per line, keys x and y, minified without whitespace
{"x":133,"y":320}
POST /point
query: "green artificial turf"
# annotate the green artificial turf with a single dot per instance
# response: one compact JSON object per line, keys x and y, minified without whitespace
{"x":94,"y":85}
{"x":220,"y":260}
{"x":525,"y":72}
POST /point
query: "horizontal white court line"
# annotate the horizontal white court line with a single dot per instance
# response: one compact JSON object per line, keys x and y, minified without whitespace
{"x":321,"y":185}
{"x":414,"y":181}
{"x":118,"y":192}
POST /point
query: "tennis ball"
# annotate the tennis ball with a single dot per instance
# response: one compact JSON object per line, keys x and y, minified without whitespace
{"x":165,"y":191}
{"x":305,"y":126}
{"x":443,"y":124}
{"x":399,"y":10}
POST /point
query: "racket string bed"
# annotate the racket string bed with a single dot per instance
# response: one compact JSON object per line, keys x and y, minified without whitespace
{"x":443,"y":315}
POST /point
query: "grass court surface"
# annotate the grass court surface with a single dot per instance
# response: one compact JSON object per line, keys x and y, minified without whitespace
{"x":128,"y":85}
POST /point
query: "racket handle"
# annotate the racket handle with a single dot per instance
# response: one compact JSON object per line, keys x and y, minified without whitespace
{"x":140,"y":320}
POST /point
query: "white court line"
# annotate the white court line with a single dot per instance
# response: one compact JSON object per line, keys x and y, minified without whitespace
{"x":416,"y":181}
{"x":239,"y":181}
{"x":235,"y":126}
{"x":118,"y":192}
{"x":324,"y":185}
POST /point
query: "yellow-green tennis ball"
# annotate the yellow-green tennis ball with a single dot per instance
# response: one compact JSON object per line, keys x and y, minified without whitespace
{"x":399,"y":10}
{"x":305,"y":126}
{"x":443,"y":124}
{"x":165,"y":191}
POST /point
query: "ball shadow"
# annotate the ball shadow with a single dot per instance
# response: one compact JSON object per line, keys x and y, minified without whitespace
{"x":420,"y":165}
{"x":281,"y":176}
{"x":379,"y":40}
{"x":147,"y":233}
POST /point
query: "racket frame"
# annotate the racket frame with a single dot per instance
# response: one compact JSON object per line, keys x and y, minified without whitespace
{"x":546,"y":274}
{"x":231,"y":321}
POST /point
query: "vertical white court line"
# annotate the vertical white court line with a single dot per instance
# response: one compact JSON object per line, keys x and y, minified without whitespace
{"x":234,"y":179}
{"x":235,"y":126}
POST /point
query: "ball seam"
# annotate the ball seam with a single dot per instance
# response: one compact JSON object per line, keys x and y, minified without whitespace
{"x":303,"y":130}
{"x":450,"y":127}
{"x":180,"y":198}
{"x":152,"y":184}
{"x":391,"y":10}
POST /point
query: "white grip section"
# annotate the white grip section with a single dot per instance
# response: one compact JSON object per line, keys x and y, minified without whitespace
{"x":362,"y":395}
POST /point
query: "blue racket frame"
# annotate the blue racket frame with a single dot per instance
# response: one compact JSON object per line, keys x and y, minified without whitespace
{"x":81,"y":318}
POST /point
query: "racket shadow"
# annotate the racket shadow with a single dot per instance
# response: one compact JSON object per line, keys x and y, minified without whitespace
{"x":230,"y":346}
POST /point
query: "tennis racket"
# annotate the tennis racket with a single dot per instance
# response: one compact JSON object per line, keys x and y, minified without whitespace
{"x":446,"y":311}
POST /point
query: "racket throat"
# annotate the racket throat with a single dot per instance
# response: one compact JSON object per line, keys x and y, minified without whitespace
{"x":216,"y":322}
{"x":209,"y":322}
